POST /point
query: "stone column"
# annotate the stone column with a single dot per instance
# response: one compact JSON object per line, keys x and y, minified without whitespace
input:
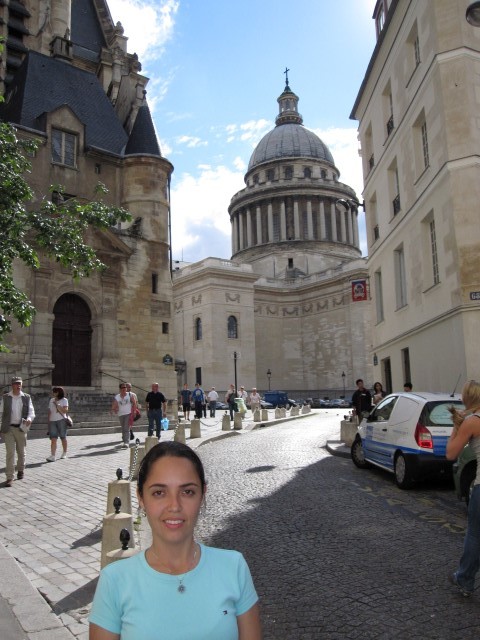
{"x":240,"y":231}
{"x":296,"y":220}
{"x":234,"y":234}
{"x":323,"y":230}
{"x":343,"y":226}
{"x":283,"y":221}
{"x":249,"y":228}
{"x":334,"y":221}
{"x":259,"y":225}
{"x":270,"y":222}
{"x":309,"y":220}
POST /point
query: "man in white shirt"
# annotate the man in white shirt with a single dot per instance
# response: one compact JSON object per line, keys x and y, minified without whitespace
{"x":212,"y":397}
{"x":17,"y":412}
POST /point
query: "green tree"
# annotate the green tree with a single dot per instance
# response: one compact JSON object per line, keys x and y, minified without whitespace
{"x":54,"y":226}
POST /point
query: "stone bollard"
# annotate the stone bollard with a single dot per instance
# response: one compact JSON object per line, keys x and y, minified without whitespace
{"x":264,"y":415}
{"x":195,"y":431}
{"x":124,"y":551}
{"x":150,"y":442}
{"x":283,"y":412}
{"x":113,"y":523}
{"x":179,"y":435}
{"x":278,"y":413}
{"x":294,"y":411}
{"x":122,"y":489}
{"x":305,"y":409}
{"x":226,"y":422}
{"x":137,"y":454}
{"x":237,"y":421}
{"x":257,"y":416}
{"x":348,"y":432}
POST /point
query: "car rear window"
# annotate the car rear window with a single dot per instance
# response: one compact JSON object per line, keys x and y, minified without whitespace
{"x":436,"y":414}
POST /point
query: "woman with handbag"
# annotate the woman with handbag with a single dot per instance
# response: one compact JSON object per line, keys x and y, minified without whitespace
{"x":57,"y":422}
{"x":123,"y":404}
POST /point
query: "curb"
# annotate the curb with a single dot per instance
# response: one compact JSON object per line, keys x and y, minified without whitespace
{"x":338,"y":448}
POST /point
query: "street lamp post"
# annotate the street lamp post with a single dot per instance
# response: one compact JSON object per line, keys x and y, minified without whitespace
{"x":235,"y":356}
{"x":343,"y":380}
{"x":269,"y":375}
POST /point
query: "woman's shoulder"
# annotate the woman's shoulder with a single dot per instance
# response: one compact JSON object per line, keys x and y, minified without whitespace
{"x":216,"y":555}
{"x":116,"y":570}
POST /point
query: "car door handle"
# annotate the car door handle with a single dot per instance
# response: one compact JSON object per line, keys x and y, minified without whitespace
{"x":384,"y":429}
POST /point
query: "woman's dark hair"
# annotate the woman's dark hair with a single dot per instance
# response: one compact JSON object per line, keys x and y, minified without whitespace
{"x":174,"y":450}
{"x":59,"y":391}
{"x":375,"y":386}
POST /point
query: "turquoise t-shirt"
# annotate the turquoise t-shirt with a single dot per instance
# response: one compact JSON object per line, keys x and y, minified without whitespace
{"x":139,"y":603}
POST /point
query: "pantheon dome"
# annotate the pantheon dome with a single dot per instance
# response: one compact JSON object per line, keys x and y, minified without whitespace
{"x":294,"y":217}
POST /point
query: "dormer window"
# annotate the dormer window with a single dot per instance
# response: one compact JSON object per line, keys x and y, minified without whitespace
{"x":64,"y":148}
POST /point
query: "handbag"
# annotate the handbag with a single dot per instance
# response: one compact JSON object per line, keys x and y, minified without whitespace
{"x":137,"y":415}
{"x":68,"y":420}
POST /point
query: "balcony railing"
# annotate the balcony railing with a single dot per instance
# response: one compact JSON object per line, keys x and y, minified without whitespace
{"x":396,"y":205}
{"x":390,"y":125}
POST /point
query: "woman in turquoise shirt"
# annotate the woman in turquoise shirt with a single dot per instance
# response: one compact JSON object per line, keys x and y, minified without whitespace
{"x":178,"y":589}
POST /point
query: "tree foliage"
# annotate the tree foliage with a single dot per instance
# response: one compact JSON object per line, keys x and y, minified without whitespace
{"x":30,"y":224}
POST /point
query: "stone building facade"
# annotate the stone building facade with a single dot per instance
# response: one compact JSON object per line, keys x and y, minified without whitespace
{"x":419,"y":130}
{"x":293,"y":298}
{"x":70,"y":84}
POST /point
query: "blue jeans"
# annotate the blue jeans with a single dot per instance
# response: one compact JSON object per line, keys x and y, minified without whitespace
{"x":470,"y":560}
{"x":154,"y":415}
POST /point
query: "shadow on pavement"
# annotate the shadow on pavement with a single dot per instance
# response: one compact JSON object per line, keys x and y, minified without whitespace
{"x":94,"y":537}
{"x":77,"y":599}
{"x":267,"y":467}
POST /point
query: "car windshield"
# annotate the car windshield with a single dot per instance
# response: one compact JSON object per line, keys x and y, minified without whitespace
{"x":436,"y":414}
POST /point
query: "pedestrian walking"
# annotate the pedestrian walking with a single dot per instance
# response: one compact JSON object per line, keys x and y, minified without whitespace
{"x":186,"y":398}
{"x":198,"y":398}
{"x":202,"y":592}
{"x":466,"y":428}
{"x":17,"y":416}
{"x":122,"y":405}
{"x":212,"y":401}
{"x":255,"y":400}
{"x":156,"y":408}
{"x":378,"y":392}
{"x":57,"y":423}
{"x":361,"y":399}
{"x":230,"y":400}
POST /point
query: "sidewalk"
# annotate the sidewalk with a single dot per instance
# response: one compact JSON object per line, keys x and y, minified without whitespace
{"x":51,"y":527}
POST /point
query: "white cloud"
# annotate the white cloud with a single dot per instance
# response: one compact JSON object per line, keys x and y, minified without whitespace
{"x":251,"y":131}
{"x":191,"y":141}
{"x":200,"y":221}
{"x":148,"y":24}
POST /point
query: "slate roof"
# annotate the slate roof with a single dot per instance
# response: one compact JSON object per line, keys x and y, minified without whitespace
{"x":87,"y":35}
{"x":143,"y":138}
{"x":287,"y":141}
{"x":43,"y":84}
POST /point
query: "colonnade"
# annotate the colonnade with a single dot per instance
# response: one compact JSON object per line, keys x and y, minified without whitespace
{"x":282,"y":219}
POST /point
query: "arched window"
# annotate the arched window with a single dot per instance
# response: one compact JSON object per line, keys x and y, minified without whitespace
{"x":232,"y":327}
{"x":198,"y":329}
{"x":323,"y":174}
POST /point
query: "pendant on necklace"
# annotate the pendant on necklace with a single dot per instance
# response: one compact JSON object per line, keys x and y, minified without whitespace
{"x":181,"y":588}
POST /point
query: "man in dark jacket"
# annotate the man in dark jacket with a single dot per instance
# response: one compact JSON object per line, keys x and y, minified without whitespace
{"x":361,"y":399}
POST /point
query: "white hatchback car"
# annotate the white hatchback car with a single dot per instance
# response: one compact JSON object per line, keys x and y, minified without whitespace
{"x":407,"y":433}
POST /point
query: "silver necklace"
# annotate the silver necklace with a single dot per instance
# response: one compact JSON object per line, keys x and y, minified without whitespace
{"x":181,"y":587}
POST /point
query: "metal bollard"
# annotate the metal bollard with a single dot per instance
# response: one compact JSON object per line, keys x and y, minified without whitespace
{"x":180,"y":434}
{"x":113,"y":523}
{"x":124,"y":552}
{"x":121,"y":488}
{"x":226,"y":422}
{"x":195,"y":431}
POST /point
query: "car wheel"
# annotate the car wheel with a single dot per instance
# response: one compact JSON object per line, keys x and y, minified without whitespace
{"x":403,"y":475}
{"x":358,"y":455}
{"x":468,"y":478}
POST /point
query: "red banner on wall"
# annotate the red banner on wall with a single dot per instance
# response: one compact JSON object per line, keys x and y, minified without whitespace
{"x":359,"y":290}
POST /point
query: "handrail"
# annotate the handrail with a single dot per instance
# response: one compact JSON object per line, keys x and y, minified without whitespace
{"x":104,"y":373}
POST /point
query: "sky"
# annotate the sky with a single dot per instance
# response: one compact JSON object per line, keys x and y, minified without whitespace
{"x":216,"y":69}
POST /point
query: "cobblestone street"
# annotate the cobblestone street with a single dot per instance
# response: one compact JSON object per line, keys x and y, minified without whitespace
{"x":336,"y":552}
